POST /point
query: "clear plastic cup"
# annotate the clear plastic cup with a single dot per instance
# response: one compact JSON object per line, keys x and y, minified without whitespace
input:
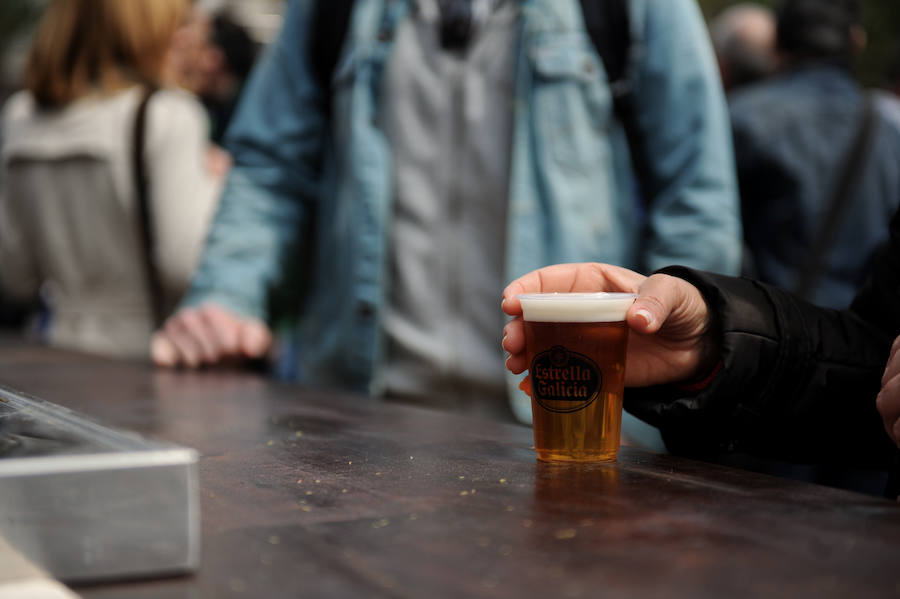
{"x":575,"y":345}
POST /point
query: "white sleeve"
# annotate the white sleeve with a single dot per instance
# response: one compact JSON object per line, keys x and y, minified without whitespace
{"x":183,"y":194}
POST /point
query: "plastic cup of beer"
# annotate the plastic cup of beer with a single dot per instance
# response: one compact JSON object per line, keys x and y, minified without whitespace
{"x":575,"y":345}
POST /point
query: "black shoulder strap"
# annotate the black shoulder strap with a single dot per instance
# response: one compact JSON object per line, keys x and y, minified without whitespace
{"x":145,"y":224}
{"x":331,"y":19}
{"x":850,"y":172}
{"x":608,"y":26}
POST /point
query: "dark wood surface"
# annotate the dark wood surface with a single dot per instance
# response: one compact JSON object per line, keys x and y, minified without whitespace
{"x":312,"y":494}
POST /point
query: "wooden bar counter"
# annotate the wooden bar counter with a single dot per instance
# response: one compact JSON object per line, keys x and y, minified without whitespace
{"x":314,"y":494}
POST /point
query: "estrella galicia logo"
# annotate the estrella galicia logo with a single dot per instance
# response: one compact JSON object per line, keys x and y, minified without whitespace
{"x":564,"y":381}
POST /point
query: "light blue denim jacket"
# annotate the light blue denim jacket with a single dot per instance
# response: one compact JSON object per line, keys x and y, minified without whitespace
{"x":311,"y":203}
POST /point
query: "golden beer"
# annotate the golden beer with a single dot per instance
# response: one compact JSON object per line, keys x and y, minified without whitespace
{"x":575,"y":345}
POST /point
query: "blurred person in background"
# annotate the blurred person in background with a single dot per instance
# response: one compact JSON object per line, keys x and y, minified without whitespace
{"x":229,"y":56}
{"x":214,"y":55}
{"x":96,"y":119}
{"x":743,"y":36}
{"x":451,"y":146}
{"x":818,"y":158}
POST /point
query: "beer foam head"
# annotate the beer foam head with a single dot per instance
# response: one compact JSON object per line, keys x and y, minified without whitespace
{"x":576,"y":307}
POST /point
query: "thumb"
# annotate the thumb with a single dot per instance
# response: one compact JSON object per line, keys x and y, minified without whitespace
{"x":657,"y":297}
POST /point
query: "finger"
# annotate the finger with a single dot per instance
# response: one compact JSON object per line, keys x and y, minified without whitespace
{"x":514,"y":343}
{"x":556,"y":278}
{"x":657,"y":298}
{"x":187,"y":349}
{"x":162,"y":351}
{"x":203,"y":335}
{"x":583,"y":277}
{"x":225,"y":327}
{"x":517,"y":364}
{"x":514,"y":336}
{"x":255,"y":338}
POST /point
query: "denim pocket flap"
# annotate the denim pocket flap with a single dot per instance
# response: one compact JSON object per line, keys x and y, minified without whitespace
{"x":568,"y":60}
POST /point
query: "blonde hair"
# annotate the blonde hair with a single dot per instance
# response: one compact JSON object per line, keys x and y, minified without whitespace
{"x":83,"y":46}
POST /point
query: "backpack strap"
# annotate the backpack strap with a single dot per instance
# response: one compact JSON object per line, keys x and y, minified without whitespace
{"x":608,"y":24}
{"x":145,"y":223}
{"x":330,"y":21}
{"x":849,"y":176}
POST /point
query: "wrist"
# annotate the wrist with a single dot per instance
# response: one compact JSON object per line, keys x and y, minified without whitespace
{"x":701,"y":382}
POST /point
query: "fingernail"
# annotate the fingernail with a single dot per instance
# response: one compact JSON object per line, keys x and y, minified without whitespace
{"x":645,"y":314}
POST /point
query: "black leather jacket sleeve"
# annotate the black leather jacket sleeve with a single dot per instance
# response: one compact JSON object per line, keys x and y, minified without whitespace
{"x":798,"y":382}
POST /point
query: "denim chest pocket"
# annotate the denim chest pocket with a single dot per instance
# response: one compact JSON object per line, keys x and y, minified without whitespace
{"x":572,"y":103}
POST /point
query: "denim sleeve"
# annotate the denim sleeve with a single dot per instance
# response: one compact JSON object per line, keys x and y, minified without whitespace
{"x":276,"y":142}
{"x":682,"y":119}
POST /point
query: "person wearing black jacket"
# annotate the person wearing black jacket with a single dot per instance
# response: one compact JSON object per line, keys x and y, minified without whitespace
{"x":726,"y":365}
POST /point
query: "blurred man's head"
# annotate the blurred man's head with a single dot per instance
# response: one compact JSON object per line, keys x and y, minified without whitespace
{"x":744,"y":39}
{"x":814,"y":30}
{"x":213,"y":54}
{"x":234,"y":42}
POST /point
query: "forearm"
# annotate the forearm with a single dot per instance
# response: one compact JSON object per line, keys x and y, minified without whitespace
{"x":250,"y":245}
{"x":684,"y":148}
